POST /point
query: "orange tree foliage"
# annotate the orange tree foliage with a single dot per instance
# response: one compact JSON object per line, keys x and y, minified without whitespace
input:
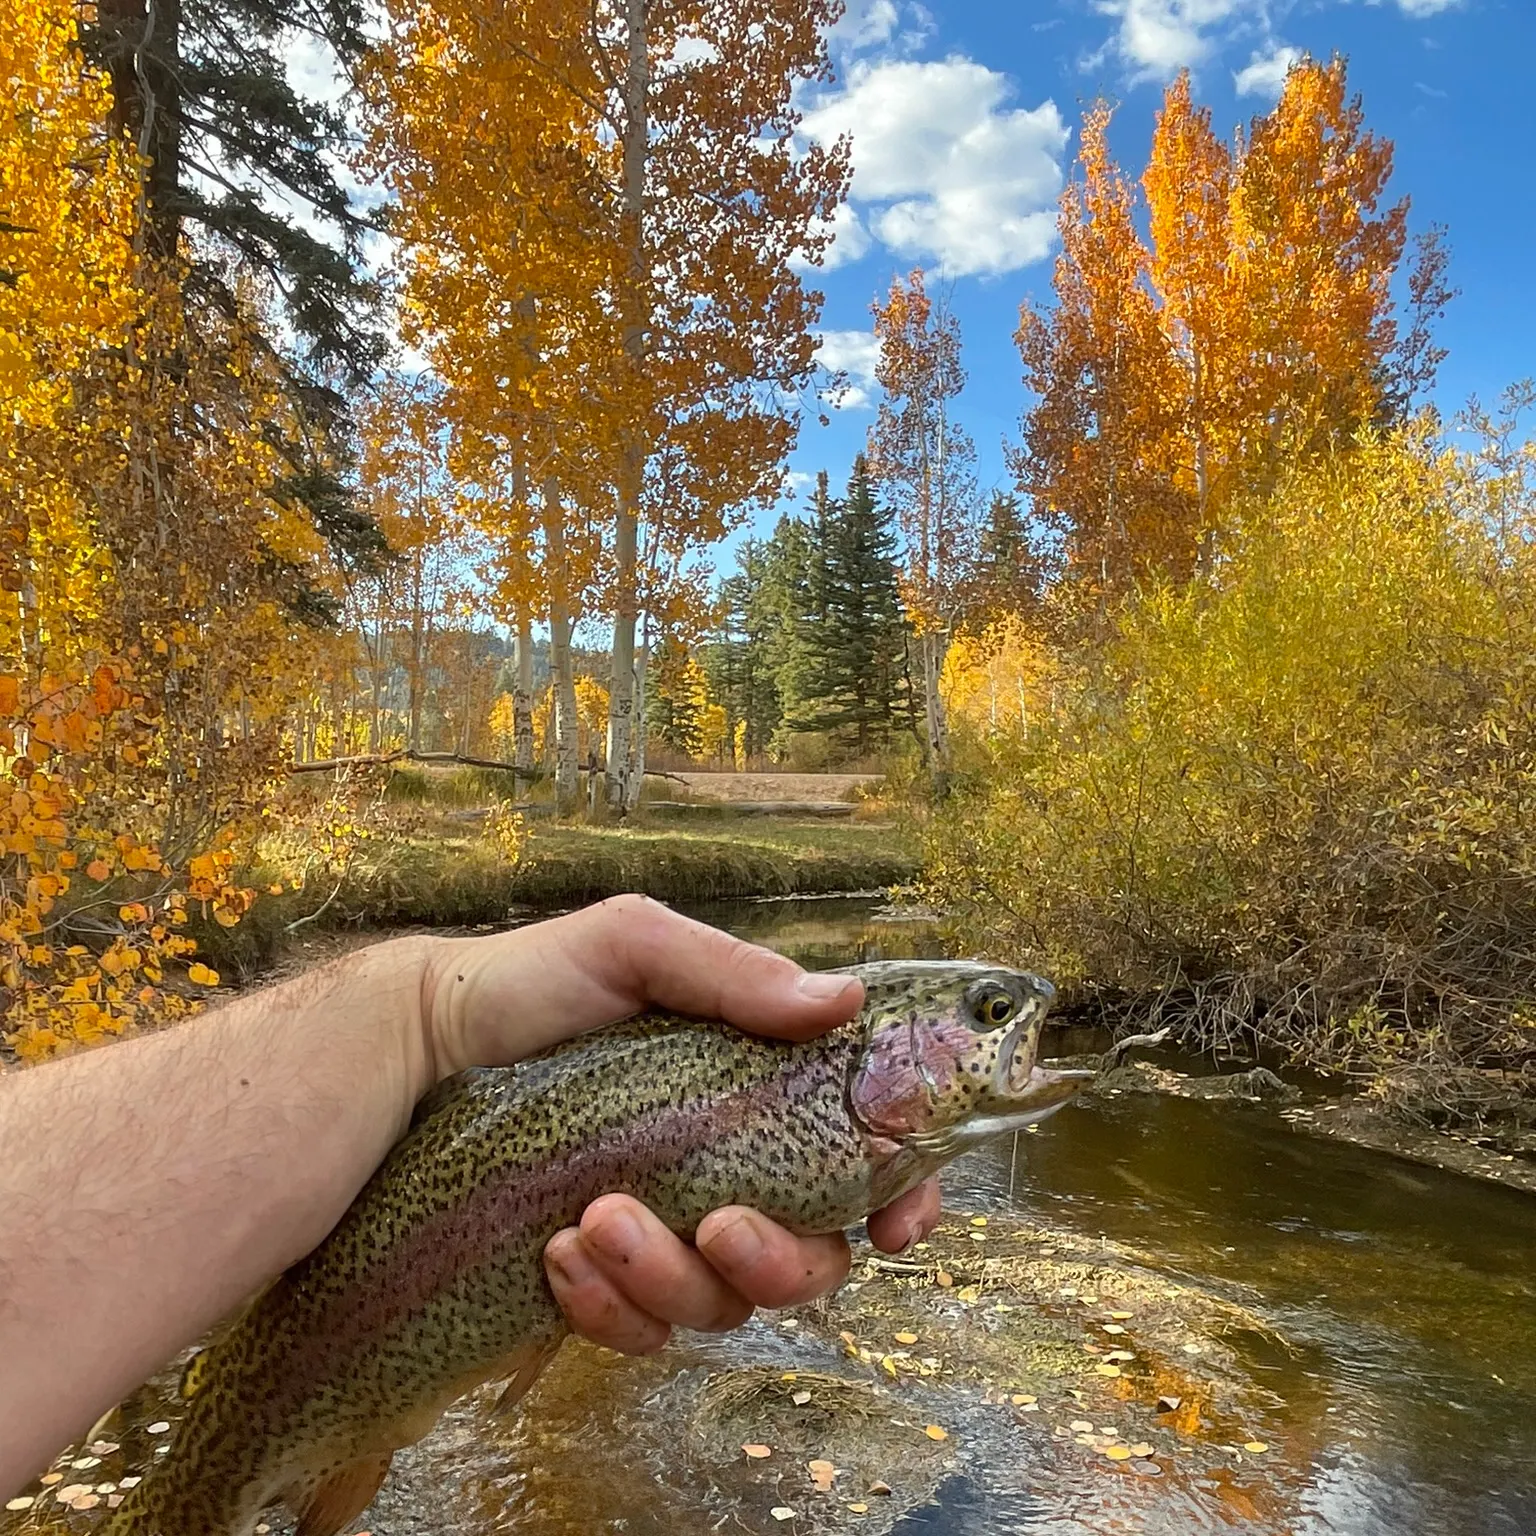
{"x":151,"y":568}
{"x":1253,"y":329}
{"x":598,"y":205}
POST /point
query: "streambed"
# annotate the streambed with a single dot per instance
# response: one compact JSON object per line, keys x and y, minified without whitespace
{"x":1153,"y":1315}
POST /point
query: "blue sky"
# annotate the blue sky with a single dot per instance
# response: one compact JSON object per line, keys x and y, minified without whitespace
{"x":964,"y":116}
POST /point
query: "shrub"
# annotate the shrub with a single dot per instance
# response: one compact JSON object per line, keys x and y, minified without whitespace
{"x":1297,"y":795}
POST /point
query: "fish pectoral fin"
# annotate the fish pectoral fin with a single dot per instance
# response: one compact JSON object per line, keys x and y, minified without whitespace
{"x":325,"y":1507}
{"x":522,"y":1367}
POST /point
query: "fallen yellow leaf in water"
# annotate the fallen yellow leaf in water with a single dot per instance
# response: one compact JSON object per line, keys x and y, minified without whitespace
{"x":1021,"y":1398}
{"x":822,"y":1473}
{"x":859,"y":1509}
{"x":944,"y":1278}
{"x":935,"y":1433}
{"x":48,"y":1479}
{"x":1121,"y":1317}
{"x":1107,"y":1370}
{"x":978,"y":1221}
{"x":1112,"y":1328}
{"x":800,"y":1399}
{"x":1141,"y":1449}
{"x":1081,"y":1426}
{"x":757,"y":1452}
{"x":1118,"y":1452}
{"x":1258,"y":1447}
{"x":782,"y":1512}
{"x":26,"y":1501}
{"x":906,"y":1338}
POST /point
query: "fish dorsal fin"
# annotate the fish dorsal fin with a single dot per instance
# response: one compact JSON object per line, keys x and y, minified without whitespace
{"x":340,"y":1497}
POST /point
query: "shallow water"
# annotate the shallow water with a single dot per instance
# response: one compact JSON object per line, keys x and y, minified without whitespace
{"x":1396,"y":1392}
{"x":1407,"y":1295}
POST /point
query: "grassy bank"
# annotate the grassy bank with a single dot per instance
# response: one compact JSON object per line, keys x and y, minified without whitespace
{"x":450,"y":877}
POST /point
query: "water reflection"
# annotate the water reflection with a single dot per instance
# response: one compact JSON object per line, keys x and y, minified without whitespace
{"x":1408,"y":1295}
{"x":1398,"y":1386}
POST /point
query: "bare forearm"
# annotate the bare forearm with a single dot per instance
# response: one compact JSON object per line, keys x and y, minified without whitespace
{"x":147,"y":1189}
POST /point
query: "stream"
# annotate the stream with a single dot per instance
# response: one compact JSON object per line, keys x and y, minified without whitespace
{"x":1402,"y":1402}
{"x":1381,"y":1376}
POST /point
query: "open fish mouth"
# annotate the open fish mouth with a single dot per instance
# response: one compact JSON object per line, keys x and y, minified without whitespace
{"x":1036,"y":1090}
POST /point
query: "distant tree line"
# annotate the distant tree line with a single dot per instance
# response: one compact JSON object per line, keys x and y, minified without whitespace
{"x":813,"y":659}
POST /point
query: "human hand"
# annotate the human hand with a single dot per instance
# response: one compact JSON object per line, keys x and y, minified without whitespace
{"x":621,"y":1277}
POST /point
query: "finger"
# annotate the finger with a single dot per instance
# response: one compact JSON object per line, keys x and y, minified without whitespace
{"x":493,"y":1000}
{"x":593,"y":1305}
{"x":645,"y":953}
{"x":906,"y":1220}
{"x":766,"y":1264}
{"x":658,"y":1272}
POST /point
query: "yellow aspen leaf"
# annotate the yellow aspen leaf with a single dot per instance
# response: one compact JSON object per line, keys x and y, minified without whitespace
{"x":203,"y":975}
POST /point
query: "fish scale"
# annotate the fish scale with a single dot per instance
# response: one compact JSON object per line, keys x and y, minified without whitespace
{"x":433,"y":1281}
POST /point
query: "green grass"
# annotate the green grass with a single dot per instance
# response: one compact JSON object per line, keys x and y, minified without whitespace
{"x":451,"y":878}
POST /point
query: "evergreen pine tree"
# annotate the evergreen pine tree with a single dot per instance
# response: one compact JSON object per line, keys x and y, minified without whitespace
{"x":795,"y":600}
{"x":740,"y":663}
{"x":1009,"y":573}
{"x":675,"y":699}
{"x":862,"y":639}
{"x":200,"y":88}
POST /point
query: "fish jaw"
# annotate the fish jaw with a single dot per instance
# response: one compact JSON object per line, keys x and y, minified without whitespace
{"x":1045,"y":1091}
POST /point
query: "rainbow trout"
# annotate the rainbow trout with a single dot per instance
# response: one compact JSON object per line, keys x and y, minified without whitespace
{"x":433,"y":1282}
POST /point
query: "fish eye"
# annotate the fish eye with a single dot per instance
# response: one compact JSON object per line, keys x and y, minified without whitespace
{"x":994,"y":1011}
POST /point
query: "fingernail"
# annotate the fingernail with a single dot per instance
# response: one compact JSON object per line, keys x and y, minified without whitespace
{"x":569,"y":1262}
{"x":823,"y":986}
{"x":738,"y":1244}
{"x":618,"y":1235}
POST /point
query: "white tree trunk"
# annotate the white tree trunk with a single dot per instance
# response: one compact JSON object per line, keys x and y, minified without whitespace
{"x":567,"y":789}
{"x":637,"y":763}
{"x":623,"y":729}
{"x":934,"y":646}
{"x":522,"y":694}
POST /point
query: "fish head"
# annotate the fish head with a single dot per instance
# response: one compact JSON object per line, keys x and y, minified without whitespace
{"x":950,"y":1053}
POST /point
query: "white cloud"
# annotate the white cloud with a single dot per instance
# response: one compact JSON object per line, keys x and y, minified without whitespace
{"x":865,"y":24}
{"x":1264,"y":74}
{"x":897,"y":26}
{"x":1160,"y":37}
{"x":944,"y":167}
{"x":850,"y":240}
{"x":855,"y":354}
{"x":1157,"y":38}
